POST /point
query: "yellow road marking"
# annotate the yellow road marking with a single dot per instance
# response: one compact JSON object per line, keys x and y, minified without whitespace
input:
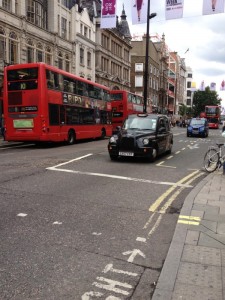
{"x":157,"y":203}
{"x":189,"y":220}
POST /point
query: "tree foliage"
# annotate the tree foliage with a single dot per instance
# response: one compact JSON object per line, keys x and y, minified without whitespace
{"x":203,"y":98}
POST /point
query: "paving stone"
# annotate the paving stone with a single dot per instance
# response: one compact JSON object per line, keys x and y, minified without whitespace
{"x":206,"y":208}
{"x":200,"y":200}
{"x":221,"y":228}
{"x":201,"y":255}
{"x":210,"y":225}
{"x":214,"y":217}
{"x":214,"y":241}
{"x":190,"y":292}
{"x":197,"y":213}
{"x":200,"y":275}
{"x":192,"y":237}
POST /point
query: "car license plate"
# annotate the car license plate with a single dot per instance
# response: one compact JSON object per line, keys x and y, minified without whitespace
{"x":126,"y":153}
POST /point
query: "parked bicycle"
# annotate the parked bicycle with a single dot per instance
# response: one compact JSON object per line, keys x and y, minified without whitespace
{"x":214,"y":158}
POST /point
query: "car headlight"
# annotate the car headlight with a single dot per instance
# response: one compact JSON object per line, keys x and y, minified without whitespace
{"x":201,"y":128}
{"x":113,"y":139}
{"x":145,"y":141}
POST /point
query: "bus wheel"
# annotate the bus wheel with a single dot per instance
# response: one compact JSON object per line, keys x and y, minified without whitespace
{"x":71,"y":137}
{"x":103,"y":135}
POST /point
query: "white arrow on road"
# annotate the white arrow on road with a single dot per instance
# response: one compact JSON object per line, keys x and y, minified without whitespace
{"x":133,"y":253}
{"x":195,"y":146}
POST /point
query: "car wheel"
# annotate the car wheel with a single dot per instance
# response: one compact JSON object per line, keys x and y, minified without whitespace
{"x":154,"y":155}
{"x":113,"y":157}
{"x":71,"y":137}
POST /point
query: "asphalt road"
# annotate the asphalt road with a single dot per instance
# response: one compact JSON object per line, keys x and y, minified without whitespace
{"x":75,"y":225}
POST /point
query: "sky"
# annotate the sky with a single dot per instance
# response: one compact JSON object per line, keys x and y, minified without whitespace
{"x":203,"y":35}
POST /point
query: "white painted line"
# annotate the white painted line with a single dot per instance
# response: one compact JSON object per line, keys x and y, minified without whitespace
{"x":72,"y":160}
{"x":177,"y":152}
{"x":21,"y":215}
{"x":96,"y":233}
{"x":110,"y":285}
{"x":170,"y":157}
{"x":156,"y":225}
{"x":58,"y":223}
{"x":133,"y":254}
{"x":110,"y":268}
{"x":120,"y":177}
{"x":183,"y":149}
{"x":141,"y":239}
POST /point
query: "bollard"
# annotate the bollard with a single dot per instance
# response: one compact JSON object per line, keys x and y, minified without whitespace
{"x":224,"y":168}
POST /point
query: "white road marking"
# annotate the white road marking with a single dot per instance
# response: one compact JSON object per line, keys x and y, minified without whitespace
{"x":96,"y":233}
{"x":57,"y":223}
{"x":141,"y":239}
{"x":111,"y":285}
{"x":110,"y":268}
{"x":156,"y":225}
{"x":21,"y":215}
{"x":133,"y":254}
{"x":119,"y":177}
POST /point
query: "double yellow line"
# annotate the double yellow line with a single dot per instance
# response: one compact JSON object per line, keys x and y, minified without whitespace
{"x":158,"y":205}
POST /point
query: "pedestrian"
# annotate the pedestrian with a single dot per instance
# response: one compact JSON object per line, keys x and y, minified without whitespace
{"x":138,"y":5}
{"x":214,"y":5}
{"x":223,"y":128}
{"x":3,"y":127}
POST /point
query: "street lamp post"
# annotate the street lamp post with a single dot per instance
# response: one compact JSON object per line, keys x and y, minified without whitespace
{"x":149,"y":16}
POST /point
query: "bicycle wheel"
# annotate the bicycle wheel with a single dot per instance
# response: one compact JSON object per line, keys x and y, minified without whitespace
{"x":211,"y":160}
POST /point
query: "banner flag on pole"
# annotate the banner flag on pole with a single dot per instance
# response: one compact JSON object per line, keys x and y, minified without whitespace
{"x":202,"y":86}
{"x":211,"y":7}
{"x":108,"y":14}
{"x":212,"y":86}
{"x":174,"y":9}
{"x":222,"y":86}
{"x":193,"y":86}
{"x":139,"y":11}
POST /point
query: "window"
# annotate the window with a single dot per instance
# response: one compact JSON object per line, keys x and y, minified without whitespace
{"x":81,"y":28}
{"x":64,"y":28}
{"x":189,"y":84}
{"x":36,"y":13}
{"x":89,"y":59}
{"x":39,"y":53}
{"x":67,"y":61}
{"x":2,"y":44}
{"x":13,"y":48}
{"x":188,"y":93}
{"x":139,"y":67}
{"x":30,"y":51}
{"x":6,"y":4}
{"x":81,"y":56}
{"x":189,"y":75}
{"x":60,"y":60}
{"x":48,"y":55}
{"x":138,"y":81}
{"x":85,"y":31}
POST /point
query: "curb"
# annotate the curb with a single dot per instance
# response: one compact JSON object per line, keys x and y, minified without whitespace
{"x":167,"y":278}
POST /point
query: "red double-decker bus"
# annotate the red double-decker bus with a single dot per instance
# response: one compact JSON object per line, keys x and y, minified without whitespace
{"x":125,"y":103}
{"x":212,"y":114}
{"x":46,"y":104}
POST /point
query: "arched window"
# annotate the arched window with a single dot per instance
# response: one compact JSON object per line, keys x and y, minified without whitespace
{"x":13,"y":48}
{"x":48,"y":55}
{"x":30,"y":51}
{"x":67,"y":62}
{"x":60,"y":60}
{"x":39,"y":53}
{"x":2,"y":45}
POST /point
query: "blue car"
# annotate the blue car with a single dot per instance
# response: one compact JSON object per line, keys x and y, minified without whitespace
{"x":198,"y":127}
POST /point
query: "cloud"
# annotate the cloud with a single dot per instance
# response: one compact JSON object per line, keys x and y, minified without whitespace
{"x":203,"y":35}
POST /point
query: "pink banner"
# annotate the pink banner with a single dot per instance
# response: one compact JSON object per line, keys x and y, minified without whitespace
{"x":108,"y":14}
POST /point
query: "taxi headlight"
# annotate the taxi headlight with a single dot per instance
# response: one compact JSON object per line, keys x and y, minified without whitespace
{"x":145,"y":141}
{"x":113,"y":139}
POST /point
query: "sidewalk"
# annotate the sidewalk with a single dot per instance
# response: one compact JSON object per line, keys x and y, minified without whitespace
{"x":195,"y":264}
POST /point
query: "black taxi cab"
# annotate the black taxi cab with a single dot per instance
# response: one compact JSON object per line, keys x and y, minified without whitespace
{"x":142,"y":135}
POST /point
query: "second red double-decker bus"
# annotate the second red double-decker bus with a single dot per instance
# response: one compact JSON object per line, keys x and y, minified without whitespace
{"x":46,"y":104}
{"x":123,"y":104}
{"x":212,"y":114}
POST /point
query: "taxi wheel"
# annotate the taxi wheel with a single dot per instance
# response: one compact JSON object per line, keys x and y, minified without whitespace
{"x":154,"y":155}
{"x":113,"y":157}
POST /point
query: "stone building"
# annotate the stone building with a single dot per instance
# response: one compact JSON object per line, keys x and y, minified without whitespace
{"x":65,"y":34}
